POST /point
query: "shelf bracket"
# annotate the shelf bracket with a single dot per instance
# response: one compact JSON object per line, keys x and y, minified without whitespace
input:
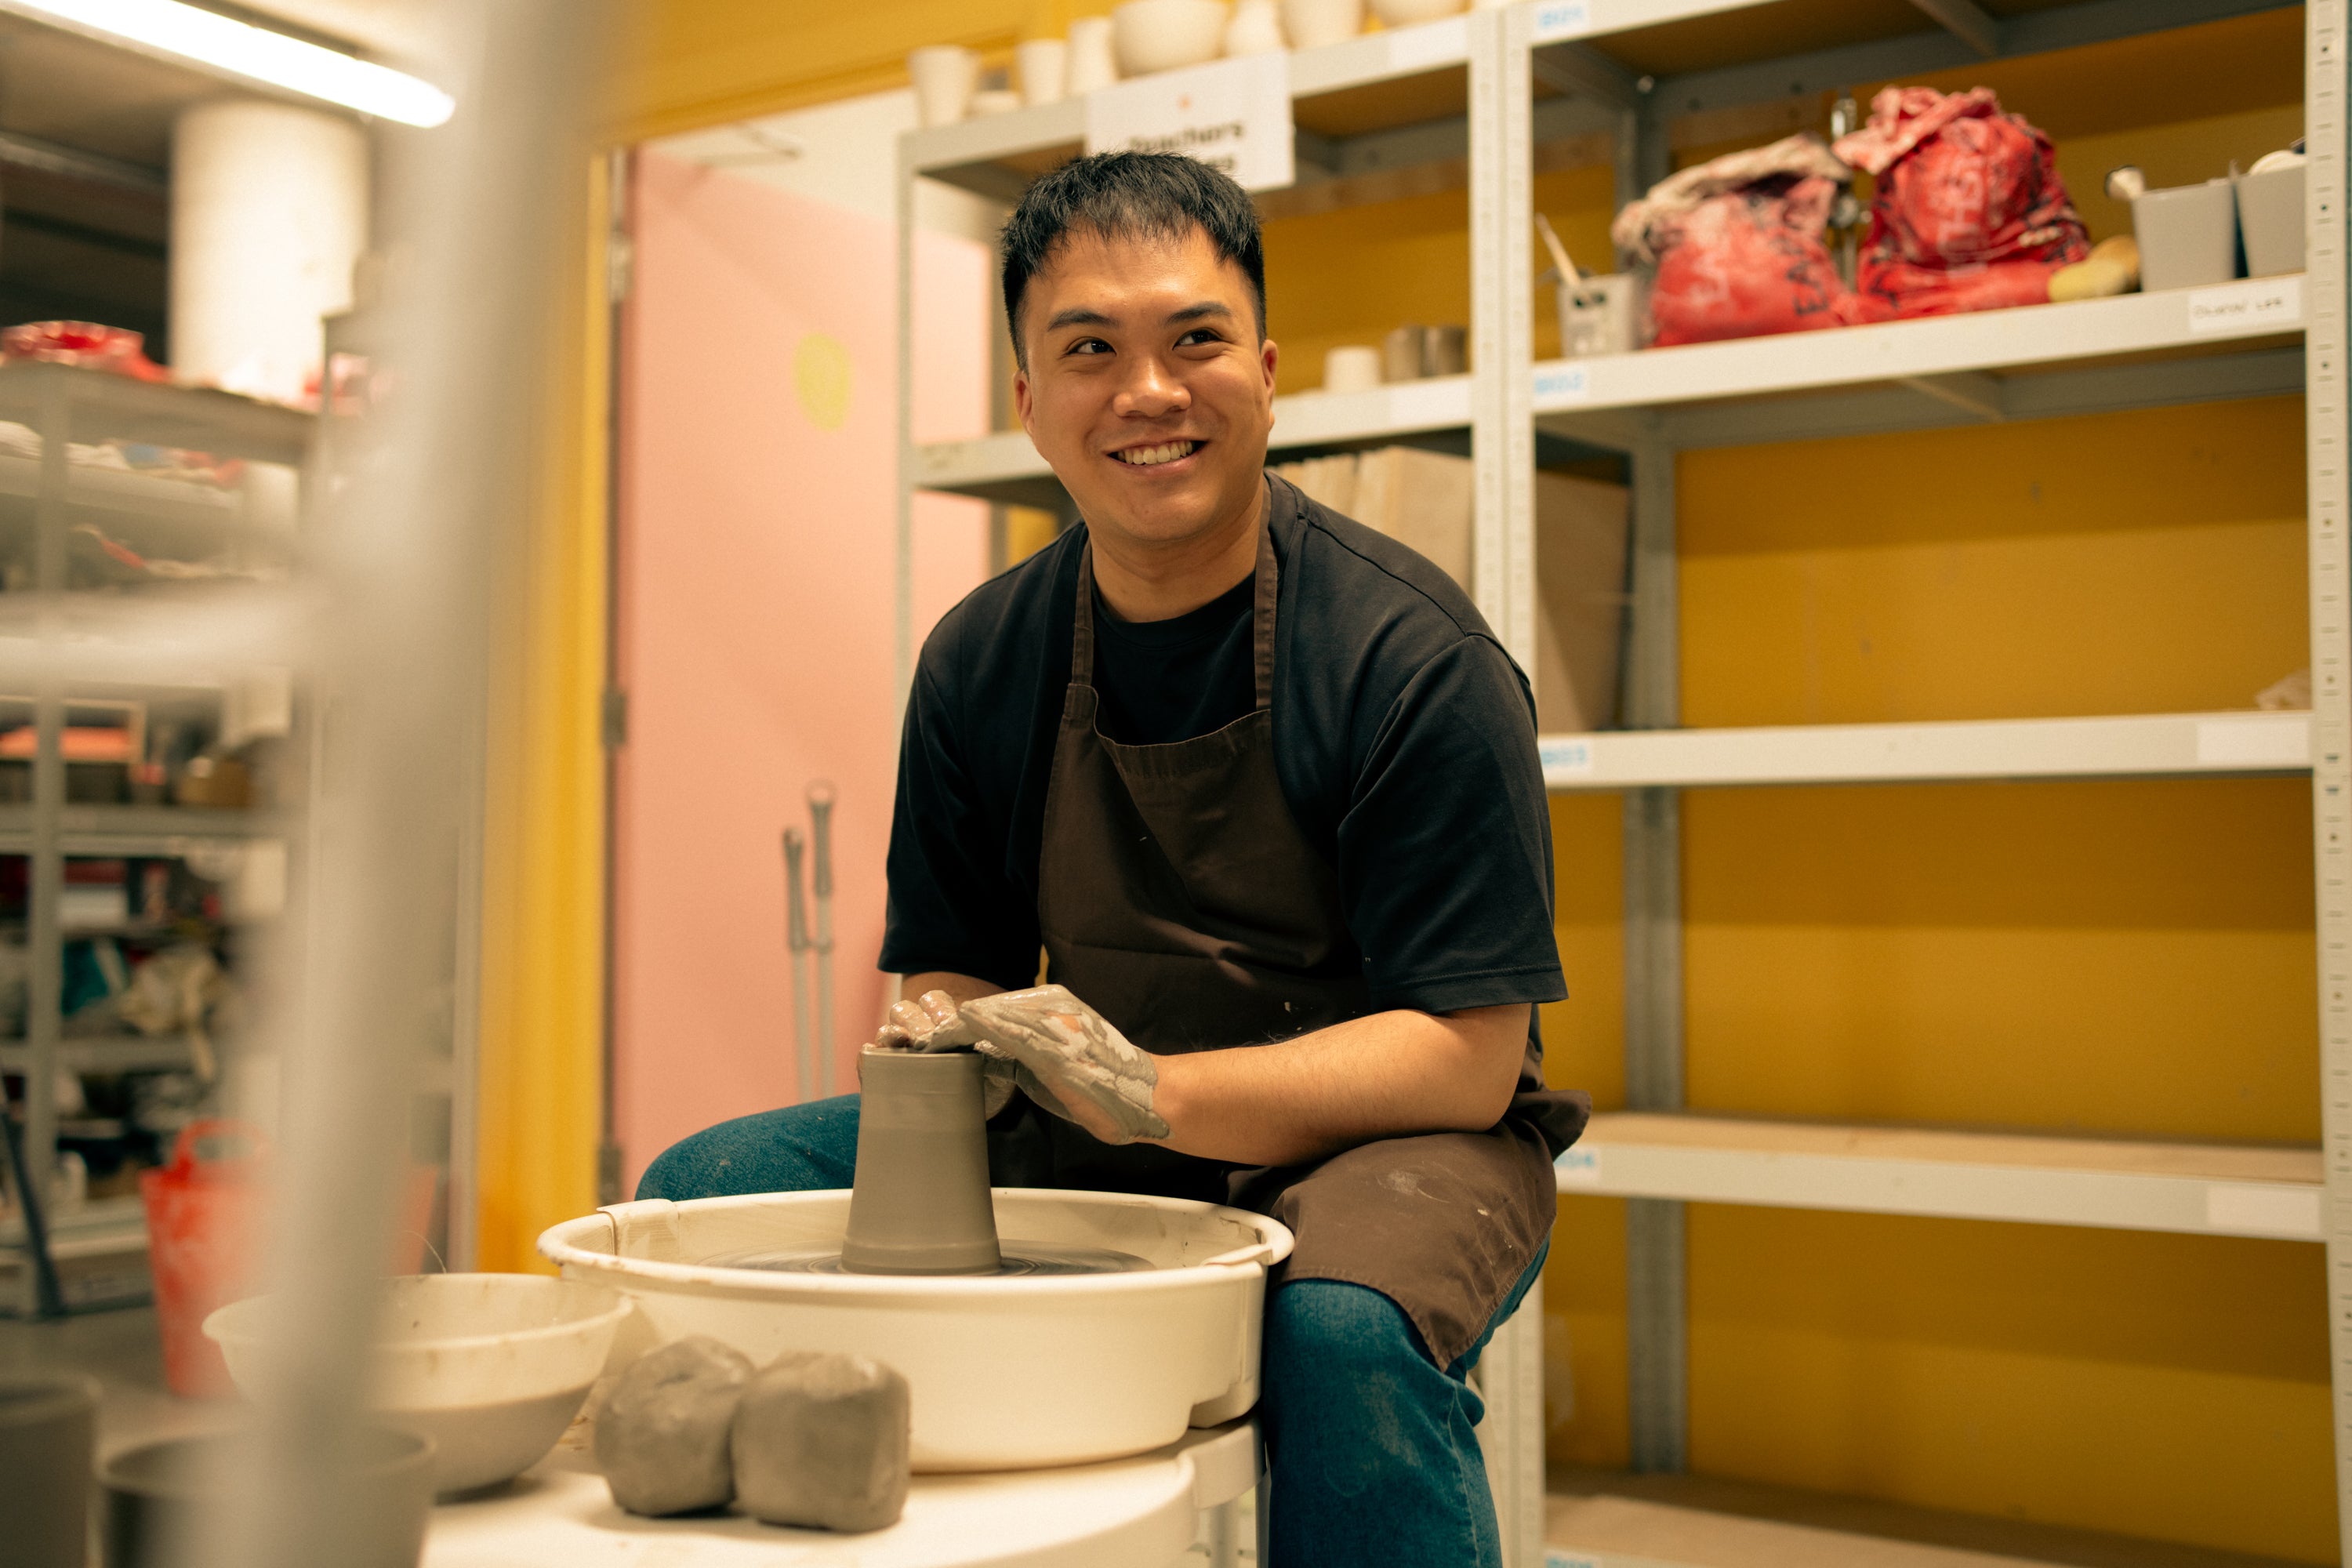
{"x":1972,"y":392}
{"x":1580,"y":71}
{"x":1967,"y":21}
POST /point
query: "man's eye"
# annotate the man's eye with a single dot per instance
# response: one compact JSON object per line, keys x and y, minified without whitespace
{"x":1198,"y":336}
{"x":1088,"y":346}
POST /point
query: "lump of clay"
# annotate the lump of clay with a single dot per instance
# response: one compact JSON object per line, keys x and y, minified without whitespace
{"x":662,"y":1437}
{"x":824,"y":1440}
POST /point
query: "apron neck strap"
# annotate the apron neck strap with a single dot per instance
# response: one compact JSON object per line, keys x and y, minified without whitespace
{"x":1269,"y":591}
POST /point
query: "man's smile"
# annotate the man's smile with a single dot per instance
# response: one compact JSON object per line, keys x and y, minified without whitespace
{"x":1156,"y":455}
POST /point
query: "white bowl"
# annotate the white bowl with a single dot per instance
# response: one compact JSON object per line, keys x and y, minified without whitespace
{"x":492,"y":1367}
{"x":1006,"y":1373}
{"x":1405,"y":13}
{"x":1166,"y":35}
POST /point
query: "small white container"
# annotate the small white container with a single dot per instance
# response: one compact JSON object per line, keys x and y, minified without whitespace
{"x":1045,"y":69}
{"x":1408,"y":13}
{"x":2270,"y":218}
{"x":1006,"y":1373}
{"x":1351,"y":369}
{"x":1254,"y":29}
{"x":1093,"y":62}
{"x":1312,"y":23}
{"x":2187,"y":236}
{"x":945,"y":77}
{"x":1167,"y":34}
{"x":1598,"y":315}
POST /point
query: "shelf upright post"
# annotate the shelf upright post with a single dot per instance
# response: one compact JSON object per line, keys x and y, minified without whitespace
{"x":2330,"y":525}
{"x":1503,"y":560}
{"x":45,"y":942}
{"x":1656,"y":1305}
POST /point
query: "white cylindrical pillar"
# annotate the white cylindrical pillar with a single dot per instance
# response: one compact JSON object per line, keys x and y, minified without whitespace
{"x":269,"y":209}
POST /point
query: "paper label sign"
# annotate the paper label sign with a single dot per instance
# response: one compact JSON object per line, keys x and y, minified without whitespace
{"x":2275,"y":304}
{"x":1579,"y":1168}
{"x":1560,"y":20}
{"x":1233,"y":115}
{"x":1557,"y":384}
{"x":1565,"y":759}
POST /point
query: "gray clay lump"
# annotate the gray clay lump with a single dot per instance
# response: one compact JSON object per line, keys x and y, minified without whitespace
{"x":663,"y":1435}
{"x":824,"y":1441}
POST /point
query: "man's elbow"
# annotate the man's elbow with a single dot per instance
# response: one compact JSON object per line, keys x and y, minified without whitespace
{"x":1495,"y":1039}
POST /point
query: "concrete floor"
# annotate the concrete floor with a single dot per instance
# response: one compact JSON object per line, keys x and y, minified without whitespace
{"x":123,"y":1351}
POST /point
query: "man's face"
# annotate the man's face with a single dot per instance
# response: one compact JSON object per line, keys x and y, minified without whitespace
{"x":1147,"y":389}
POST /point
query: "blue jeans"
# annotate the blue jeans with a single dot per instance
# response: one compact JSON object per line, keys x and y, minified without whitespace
{"x":1370,"y":1444}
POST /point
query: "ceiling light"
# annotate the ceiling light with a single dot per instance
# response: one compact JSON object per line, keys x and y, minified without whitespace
{"x":240,"y":48}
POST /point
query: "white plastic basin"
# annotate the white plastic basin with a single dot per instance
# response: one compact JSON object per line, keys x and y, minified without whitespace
{"x":1006,"y":1373}
{"x":492,"y":1367}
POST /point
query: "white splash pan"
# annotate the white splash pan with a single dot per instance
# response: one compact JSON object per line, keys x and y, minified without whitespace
{"x":1007,"y":1373}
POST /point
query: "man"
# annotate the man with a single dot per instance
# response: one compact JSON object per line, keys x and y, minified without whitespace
{"x":1263,"y":787}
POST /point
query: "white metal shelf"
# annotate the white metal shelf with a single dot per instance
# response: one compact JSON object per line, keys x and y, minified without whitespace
{"x":1005,"y":466}
{"x":106,"y":1054}
{"x":2198,"y":1189}
{"x":2151,"y":745}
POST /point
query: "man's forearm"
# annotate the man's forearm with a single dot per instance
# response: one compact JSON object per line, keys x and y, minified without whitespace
{"x":1387,"y":1075}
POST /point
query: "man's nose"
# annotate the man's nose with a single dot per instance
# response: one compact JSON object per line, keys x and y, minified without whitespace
{"x":1150,"y":391}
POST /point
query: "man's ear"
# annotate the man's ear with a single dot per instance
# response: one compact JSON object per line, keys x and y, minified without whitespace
{"x":1268,"y":354}
{"x":1021,"y":398}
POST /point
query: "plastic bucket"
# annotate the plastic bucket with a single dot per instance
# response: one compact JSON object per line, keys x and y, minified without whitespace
{"x":204,"y":1214}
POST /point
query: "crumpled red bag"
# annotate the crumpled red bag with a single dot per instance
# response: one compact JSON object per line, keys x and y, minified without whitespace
{"x":1736,"y":246}
{"x":84,"y":344}
{"x":1971,"y":211}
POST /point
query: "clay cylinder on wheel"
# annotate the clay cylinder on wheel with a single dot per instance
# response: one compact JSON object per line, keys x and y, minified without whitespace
{"x":920,"y":1204}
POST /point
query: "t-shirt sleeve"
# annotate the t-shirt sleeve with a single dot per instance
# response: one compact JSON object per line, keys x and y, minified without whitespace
{"x":953,"y":905}
{"x":1445,"y":849}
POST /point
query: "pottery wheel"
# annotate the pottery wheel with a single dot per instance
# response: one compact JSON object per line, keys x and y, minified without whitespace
{"x":1020,"y":1258}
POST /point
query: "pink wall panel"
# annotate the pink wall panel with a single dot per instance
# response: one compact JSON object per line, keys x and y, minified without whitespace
{"x":755,"y":598}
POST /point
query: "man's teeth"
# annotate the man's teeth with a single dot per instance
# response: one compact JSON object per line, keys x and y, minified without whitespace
{"x":1167,"y":452}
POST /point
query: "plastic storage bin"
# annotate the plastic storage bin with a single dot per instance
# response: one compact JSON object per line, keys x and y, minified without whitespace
{"x":2187,"y":236}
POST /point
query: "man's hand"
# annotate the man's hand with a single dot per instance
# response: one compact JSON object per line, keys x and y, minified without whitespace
{"x":1071,"y":1060}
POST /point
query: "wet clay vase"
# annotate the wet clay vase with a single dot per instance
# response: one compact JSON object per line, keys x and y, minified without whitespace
{"x":921,"y":1204}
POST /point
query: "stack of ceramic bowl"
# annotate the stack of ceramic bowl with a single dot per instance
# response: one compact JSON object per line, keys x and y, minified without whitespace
{"x":1144,"y":37}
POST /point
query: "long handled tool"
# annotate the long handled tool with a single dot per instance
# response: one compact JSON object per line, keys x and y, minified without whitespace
{"x":820,"y":802}
{"x":797,"y":939}
{"x":49,"y":1297}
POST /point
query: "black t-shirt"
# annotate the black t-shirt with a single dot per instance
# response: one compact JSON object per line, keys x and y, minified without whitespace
{"x":1403,"y":739}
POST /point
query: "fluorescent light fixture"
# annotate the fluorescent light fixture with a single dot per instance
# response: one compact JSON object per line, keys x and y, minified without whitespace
{"x":240,"y":48}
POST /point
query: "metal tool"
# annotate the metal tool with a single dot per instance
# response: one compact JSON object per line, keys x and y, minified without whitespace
{"x":796,"y":940}
{"x":820,"y":801}
{"x":49,"y":1298}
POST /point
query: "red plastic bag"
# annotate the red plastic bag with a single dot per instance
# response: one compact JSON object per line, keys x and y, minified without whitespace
{"x":1971,"y":211}
{"x":1736,"y":246}
{"x":84,"y":344}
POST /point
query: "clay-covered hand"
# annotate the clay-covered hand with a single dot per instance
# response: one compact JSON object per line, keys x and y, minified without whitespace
{"x":933,"y":1022}
{"x":1070,"y":1059}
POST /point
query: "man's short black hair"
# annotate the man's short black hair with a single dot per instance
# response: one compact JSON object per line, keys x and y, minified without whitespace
{"x":1129,"y":196}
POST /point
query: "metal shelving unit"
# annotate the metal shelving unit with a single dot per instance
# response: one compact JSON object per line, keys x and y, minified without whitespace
{"x":72,"y":646}
{"x":1505,"y":81}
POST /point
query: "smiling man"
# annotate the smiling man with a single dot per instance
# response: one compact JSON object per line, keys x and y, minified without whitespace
{"x":1263,"y":787}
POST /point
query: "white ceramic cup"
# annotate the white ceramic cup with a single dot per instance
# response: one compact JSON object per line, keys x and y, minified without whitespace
{"x":945,"y":76}
{"x":1045,"y":68}
{"x":1091,"y":62}
{"x":1256,"y":29}
{"x":1351,"y":369}
{"x":1406,"y":13}
{"x":1311,"y":24}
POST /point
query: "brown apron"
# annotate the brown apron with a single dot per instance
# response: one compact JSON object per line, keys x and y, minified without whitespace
{"x":1176,"y":895}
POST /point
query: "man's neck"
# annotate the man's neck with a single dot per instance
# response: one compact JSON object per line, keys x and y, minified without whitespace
{"x":1149,"y":581}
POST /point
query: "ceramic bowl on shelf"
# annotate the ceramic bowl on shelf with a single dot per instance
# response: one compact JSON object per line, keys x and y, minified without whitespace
{"x":1405,"y":13}
{"x":1312,"y":23}
{"x":1167,"y":34}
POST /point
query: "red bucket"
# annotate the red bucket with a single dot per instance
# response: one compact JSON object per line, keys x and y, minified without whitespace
{"x":205,"y":1213}
{"x":203,"y":1221}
